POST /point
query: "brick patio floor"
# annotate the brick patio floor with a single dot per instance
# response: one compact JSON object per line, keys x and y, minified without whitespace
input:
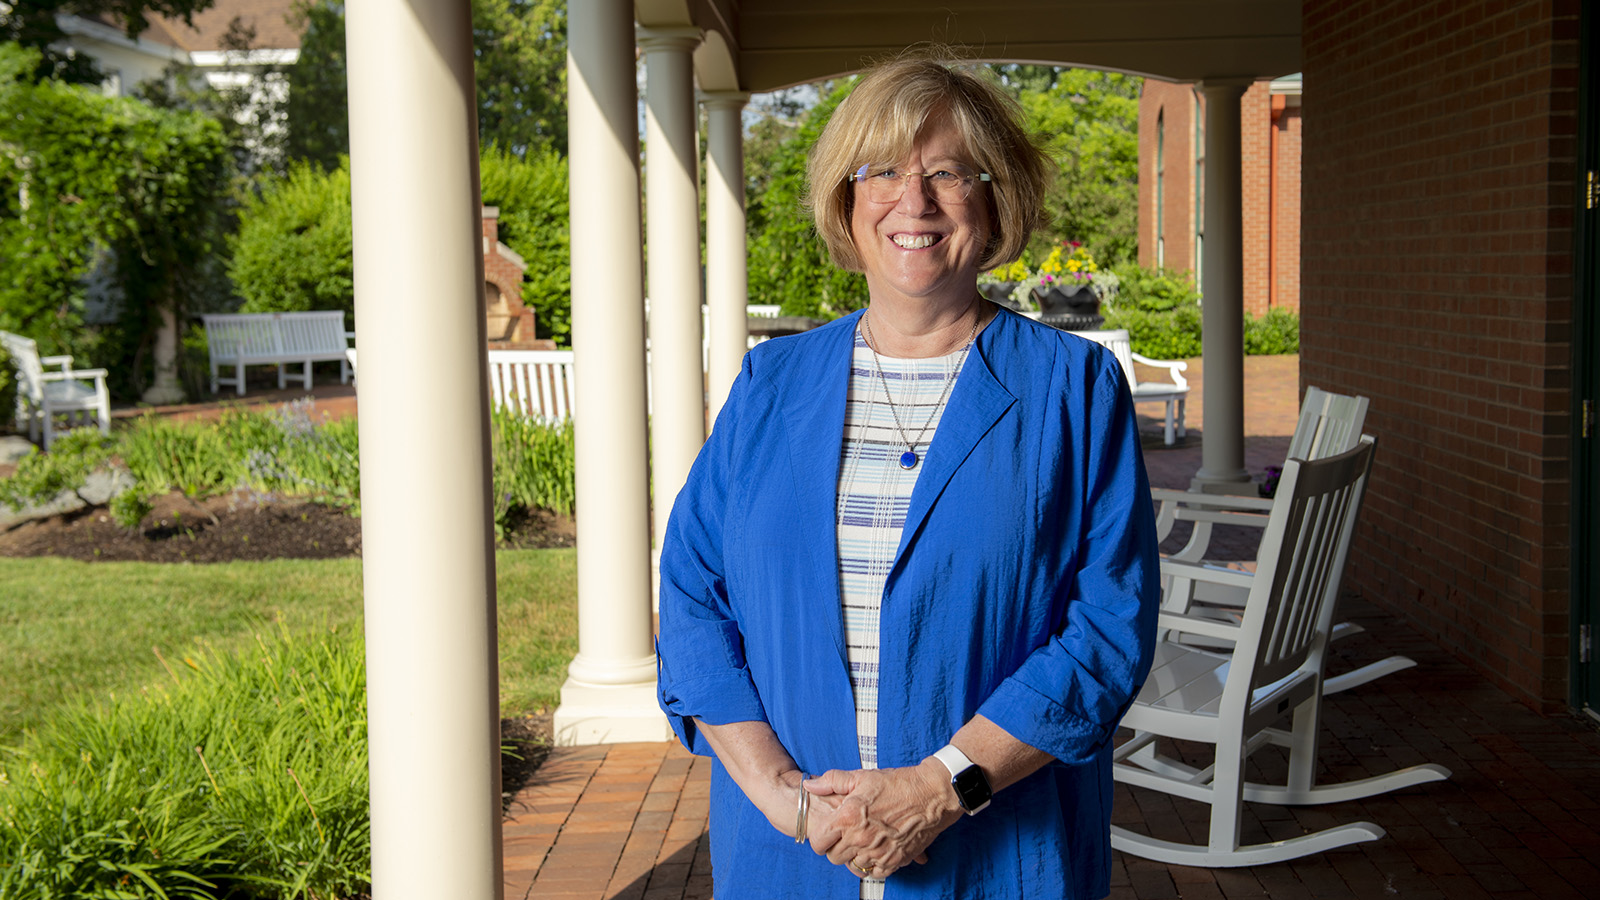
{"x":1519,"y":818}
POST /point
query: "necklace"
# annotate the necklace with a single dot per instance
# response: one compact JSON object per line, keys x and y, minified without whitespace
{"x":908,"y":459}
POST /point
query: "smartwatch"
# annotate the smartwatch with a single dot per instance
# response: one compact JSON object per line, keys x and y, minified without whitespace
{"x":972,"y":786}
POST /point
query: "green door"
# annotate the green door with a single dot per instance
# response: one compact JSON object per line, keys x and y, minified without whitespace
{"x":1586,"y":381}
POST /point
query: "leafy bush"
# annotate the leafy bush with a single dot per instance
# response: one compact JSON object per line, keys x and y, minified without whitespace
{"x":1274,"y":334}
{"x":533,"y":466}
{"x":42,"y":477}
{"x":1154,"y":290}
{"x":246,"y":777}
{"x":129,"y":508}
{"x":293,"y":249}
{"x":531,"y":194}
{"x":1159,"y":335}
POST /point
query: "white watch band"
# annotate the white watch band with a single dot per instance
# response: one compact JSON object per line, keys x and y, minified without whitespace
{"x":953,"y":759}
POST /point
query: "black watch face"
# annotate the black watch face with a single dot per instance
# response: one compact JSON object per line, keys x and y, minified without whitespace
{"x":972,"y":789}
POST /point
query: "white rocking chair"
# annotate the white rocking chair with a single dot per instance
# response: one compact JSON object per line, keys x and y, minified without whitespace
{"x":1232,"y":701}
{"x":1329,"y":424}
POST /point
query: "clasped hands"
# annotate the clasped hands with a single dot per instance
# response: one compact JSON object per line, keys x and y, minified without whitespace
{"x":876,"y":821}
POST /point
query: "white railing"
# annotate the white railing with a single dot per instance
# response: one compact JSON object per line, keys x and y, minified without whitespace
{"x":535,"y":383}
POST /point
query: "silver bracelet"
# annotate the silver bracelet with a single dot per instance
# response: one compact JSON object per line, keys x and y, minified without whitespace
{"x":801,"y":810}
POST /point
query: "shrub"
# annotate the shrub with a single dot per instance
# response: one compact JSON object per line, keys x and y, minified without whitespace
{"x":246,"y":777}
{"x":1154,"y":290}
{"x":532,"y":196}
{"x":1174,"y":334}
{"x":130,"y":507}
{"x":1274,"y":334}
{"x":293,"y":248}
{"x":42,"y":477}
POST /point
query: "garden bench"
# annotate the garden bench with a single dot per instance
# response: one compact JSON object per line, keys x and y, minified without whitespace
{"x":535,"y":383}
{"x":252,"y":339}
{"x":1174,"y":393}
{"x":42,"y":395}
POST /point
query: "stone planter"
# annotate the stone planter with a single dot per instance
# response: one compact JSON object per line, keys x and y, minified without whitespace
{"x":1069,"y":307}
{"x":1000,"y":292}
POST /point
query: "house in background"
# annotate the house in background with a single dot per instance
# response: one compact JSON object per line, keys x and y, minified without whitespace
{"x":227,"y":44}
{"x":1172,"y":185}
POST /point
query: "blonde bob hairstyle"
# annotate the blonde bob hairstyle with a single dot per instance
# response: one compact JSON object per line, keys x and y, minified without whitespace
{"x":878,"y":124}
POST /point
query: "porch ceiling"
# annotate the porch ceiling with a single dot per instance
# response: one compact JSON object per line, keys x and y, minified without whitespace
{"x":775,"y":43}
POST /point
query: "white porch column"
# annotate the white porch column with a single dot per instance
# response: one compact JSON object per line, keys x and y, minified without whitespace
{"x":727,"y":282}
{"x":610,"y":692}
{"x":432,"y":679}
{"x":1222,"y":451}
{"x":678,"y":388}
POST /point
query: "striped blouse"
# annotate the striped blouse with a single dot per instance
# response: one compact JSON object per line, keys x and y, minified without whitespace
{"x":874,"y":494}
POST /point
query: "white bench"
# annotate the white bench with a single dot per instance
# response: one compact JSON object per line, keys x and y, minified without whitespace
{"x":535,"y":383}
{"x":1174,"y":393}
{"x":254,"y":339}
{"x":42,"y":395}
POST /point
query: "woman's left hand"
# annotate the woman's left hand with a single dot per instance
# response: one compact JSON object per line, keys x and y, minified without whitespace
{"x":886,"y":817}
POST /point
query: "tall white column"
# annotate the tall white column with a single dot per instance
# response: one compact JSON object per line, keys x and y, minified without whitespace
{"x":678,"y":388}
{"x":1222,"y":452}
{"x":428,"y":579}
{"x":727,"y":282}
{"x":610,"y":690}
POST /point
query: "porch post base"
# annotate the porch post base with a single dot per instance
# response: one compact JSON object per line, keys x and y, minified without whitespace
{"x":608,"y":714}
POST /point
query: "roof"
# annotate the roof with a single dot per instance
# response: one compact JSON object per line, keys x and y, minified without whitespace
{"x":269,"y":18}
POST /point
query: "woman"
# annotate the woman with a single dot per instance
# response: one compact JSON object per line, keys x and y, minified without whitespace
{"x":910,"y":585}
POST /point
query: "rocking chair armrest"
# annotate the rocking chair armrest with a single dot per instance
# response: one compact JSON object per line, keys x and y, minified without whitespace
{"x":1221,"y":517}
{"x":1212,"y":628}
{"x":65,"y":362}
{"x":1173,"y":367}
{"x":1171,"y":568}
{"x":1211,"y":501}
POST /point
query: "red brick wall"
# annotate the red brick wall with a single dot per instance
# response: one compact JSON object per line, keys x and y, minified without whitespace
{"x":1436,"y":255}
{"x":1174,"y":103}
{"x":1271,"y":204}
{"x":1255,"y":151}
{"x":1285,"y":260}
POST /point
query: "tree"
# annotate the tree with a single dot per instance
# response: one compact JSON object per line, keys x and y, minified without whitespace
{"x":789,"y":263}
{"x":317,"y":111}
{"x":1089,"y":121}
{"x":86,"y":176}
{"x":32,"y":24}
{"x":521,"y":52}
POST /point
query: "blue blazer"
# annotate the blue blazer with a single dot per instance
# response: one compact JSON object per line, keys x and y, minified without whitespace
{"x":1025,"y":589}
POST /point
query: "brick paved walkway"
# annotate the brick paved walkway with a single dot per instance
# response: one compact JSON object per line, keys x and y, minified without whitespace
{"x":1520,"y":818}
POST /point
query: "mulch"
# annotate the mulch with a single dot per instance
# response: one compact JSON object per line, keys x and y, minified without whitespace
{"x":238,"y":526}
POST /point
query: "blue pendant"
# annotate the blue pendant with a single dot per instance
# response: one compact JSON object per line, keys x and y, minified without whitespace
{"x":908,"y":460}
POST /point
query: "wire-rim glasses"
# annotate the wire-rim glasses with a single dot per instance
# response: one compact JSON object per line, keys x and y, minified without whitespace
{"x":949,"y":184}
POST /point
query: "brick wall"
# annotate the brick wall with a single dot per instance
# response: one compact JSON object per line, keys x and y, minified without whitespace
{"x":1271,"y":188}
{"x":1255,"y":152}
{"x":1174,"y":105}
{"x":1436,"y":261}
{"x":1285,"y":259}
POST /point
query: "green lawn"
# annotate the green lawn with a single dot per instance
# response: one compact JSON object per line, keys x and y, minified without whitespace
{"x":71,"y":629}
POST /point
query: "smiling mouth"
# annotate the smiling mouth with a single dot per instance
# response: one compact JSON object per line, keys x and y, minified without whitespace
{"x":915,"y":241}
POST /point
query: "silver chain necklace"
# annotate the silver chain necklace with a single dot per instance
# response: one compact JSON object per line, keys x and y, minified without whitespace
{"x":908,"y":459}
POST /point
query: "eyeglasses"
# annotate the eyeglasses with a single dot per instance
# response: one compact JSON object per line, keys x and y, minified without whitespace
{"x":952,"y":184}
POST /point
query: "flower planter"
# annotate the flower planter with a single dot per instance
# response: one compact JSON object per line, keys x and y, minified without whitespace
{"x":1000,"y":292}
{"x":1069,"y":307}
